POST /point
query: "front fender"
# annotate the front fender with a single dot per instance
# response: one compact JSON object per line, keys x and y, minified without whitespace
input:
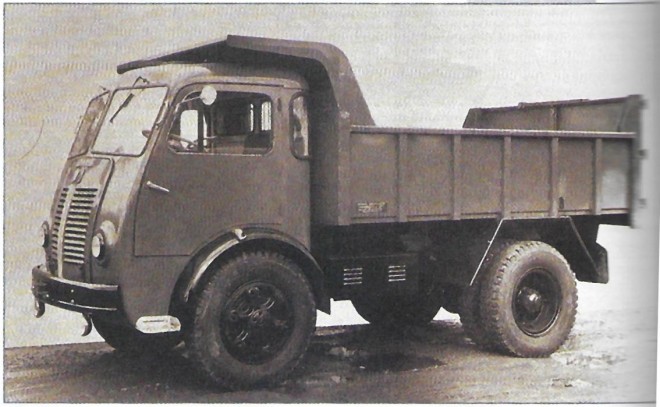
{"x":255,"y":238}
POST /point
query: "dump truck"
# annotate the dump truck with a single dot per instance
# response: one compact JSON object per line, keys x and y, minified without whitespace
{"x":220,"y":195}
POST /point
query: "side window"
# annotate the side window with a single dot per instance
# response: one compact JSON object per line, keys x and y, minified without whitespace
{"x":229,"y":123}
{"x":299,"y":127}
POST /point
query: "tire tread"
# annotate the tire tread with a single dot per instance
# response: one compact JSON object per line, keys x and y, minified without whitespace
{"x":470,"y":304}
{"x":491,"y":302}
{"x":195,"y":337}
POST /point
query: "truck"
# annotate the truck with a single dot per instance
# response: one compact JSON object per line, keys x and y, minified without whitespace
{"x":220,"y":195}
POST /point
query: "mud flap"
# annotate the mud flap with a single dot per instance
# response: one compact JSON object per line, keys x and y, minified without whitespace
{"x":602,"y":273}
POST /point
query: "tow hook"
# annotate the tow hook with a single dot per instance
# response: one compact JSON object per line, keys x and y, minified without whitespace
{"x":39,"y":308}
{"x":88,"y":328}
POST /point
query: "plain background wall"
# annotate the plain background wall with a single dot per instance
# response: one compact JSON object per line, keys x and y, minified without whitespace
{"x":418,"y":66}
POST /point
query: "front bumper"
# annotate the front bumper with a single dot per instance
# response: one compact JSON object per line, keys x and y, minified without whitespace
{"x":73,"y":295}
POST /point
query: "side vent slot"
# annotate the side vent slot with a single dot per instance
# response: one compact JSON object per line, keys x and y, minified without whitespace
{"x":396,"y":273}
{"x":352,"y":276}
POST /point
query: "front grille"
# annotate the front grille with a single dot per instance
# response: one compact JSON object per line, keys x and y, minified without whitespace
{"x":71,"y":223}
{"x":77,"y":222}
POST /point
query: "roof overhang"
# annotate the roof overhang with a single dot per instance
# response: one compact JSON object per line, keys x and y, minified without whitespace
{"x":321,"y":65}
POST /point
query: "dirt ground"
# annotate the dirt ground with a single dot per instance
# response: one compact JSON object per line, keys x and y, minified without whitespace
{"x":609,"y":357}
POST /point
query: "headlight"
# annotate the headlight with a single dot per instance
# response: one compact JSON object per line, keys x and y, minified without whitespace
{"x":98,"y":246}
{"x":103,"y":242}
{"x":45,"y":234}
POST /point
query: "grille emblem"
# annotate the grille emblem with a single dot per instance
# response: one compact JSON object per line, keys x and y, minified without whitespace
{"x":78,"y":174}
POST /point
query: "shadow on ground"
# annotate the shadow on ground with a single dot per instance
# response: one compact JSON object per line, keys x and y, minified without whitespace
{"x":435,"y":363}
{"x":96,"y":373}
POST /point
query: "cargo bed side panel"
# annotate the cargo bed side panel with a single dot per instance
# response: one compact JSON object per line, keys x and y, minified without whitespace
{"x":403,"y":175}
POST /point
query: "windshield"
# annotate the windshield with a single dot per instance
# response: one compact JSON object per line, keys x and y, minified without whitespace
{"x":129,"y":120}
{"x":88,"y":124}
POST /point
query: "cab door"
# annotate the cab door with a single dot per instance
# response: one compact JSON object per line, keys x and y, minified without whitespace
{"x":222,"y":161}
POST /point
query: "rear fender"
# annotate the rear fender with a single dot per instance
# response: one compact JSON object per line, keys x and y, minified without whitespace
{"x":247,"y":239}
{"x":578,"y":245}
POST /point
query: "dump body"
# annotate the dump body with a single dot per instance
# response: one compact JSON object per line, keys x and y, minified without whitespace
{"x":584,"y":166}
{"x":399,"y":175}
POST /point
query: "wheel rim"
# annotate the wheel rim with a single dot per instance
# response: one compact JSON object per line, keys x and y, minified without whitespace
{"x":256,"y":322}
{"x":536,"y":302}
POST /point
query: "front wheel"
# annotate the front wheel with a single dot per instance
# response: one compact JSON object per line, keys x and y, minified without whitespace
{"x":253,"y":321}
{"x":528,"y":300}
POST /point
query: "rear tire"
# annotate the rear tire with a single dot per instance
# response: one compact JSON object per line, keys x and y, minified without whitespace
{"x":133,"y":342}
{"x":470,"y":301}
{"x":253,"y":321}
{"x":470,"y":310}
{"x":528,"y":300}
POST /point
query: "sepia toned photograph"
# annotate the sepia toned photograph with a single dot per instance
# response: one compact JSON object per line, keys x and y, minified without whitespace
{"x":330,"y":203}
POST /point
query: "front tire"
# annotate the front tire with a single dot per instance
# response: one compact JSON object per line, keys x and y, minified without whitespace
{"x":528,"y":300}
{"x":253,"y":321}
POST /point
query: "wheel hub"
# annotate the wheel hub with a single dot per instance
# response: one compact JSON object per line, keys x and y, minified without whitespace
{"x":256,"y":322}
{"x":531,"y":300}
{"x":537,"y":302}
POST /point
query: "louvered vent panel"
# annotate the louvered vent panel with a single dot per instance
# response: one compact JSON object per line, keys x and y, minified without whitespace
{"x":396,"y":273}
{"x":352,"y":276}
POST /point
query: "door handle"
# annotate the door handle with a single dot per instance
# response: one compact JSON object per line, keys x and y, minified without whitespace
{"x":157,"y":187}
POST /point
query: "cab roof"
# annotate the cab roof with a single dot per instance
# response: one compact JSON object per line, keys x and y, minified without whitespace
{"x":321,"y":65}
{"x":176,"y":75}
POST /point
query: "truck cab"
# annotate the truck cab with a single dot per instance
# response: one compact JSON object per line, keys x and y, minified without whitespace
{"x":172,"y":159}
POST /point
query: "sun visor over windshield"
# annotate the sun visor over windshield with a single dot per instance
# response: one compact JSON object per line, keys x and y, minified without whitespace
{"x":322,"y":65}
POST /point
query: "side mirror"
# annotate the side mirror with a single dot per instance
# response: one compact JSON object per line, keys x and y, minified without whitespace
{"x":208,"y":95}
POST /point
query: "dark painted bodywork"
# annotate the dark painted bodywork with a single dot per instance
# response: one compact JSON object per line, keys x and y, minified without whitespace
{"x":393,"y":203}
{"x":159,"y":235}
{"x":322,"y":65}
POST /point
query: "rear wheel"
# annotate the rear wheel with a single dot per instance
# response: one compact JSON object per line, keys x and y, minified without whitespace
{"x":470,"y":301}
{"x":528,"y":300}
{"x":131,"y":341}
{"x":253,"y":321}
{"x":470,"y":316}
